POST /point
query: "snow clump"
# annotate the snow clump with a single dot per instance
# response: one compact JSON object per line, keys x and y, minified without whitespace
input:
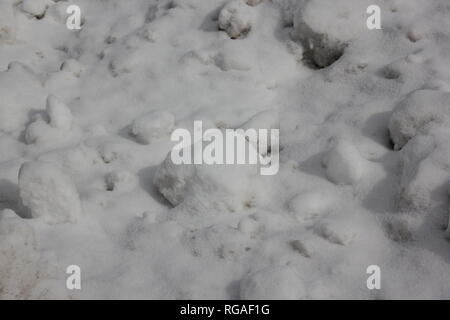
{"x":419,"y":111}
{"x":327,"y":27}
{"x":152,"y":126}
{"x":220,"y":187}
{"x":36,"y":7}
{"x":236,"y":19}
{"x":48,"y":193}
{"x":344,"y":163}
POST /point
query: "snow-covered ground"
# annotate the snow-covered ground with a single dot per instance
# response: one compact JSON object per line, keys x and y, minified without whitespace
{"x":85,"y":123}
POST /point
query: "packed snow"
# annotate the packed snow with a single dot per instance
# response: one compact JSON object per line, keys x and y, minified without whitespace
{"x":86,"y":176}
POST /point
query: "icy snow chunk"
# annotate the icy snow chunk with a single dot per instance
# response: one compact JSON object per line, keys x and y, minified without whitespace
{"x":43,"y":127}
{"x":48,"y":193}
{"x":36,"y":130}
{"x":326,"y":27}
{"x":36,"y":7}
{"x":344,"y":163}
{"x":219,"y":187}
{"x":236,"y":19}
{"x":120,"y":180}
{"x":152,"y":126}
{"x":416,"y":113}
{"x":59,"y":114}
{"x":272,"y":283}
{"x":425,"y":160}
{"x":172,"y":180}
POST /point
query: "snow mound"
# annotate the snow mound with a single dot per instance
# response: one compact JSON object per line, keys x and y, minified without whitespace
{"x":219,"y":187}
{"x":344,"y":163}
{"x":52,"y":126}
{"x":326,"y":27}
{"x":172,"y":180}
{"x":236,"y":19}
{"x":36,"y":7}
{"x":59,"y":114}
{"x":152,"y":126}
{"x":419,"y":111}
{"x":425,"y":160}
{"x":272,"y":283}
{"x":48,"y":193}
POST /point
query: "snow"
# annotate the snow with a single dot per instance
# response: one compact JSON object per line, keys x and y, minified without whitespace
{"x":344,"y":163}
{"x":266,"y":119}
{"x":35,"y":7}
{"x":416,"y":113}
{"x":278,"y":283}
{"x":86,"y":177}
{"x":204,"y":187}
{"x":236,"y":18}
{"x":152,"y":126}
{"x":48,"y":193}
{"x":59,"y":114}
{"x":122,"y":181}
{"x":340,"y":22}
{"x":308,"y":205}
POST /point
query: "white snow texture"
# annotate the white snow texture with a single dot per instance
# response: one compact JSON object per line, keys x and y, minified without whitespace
{"x":86,"y":176}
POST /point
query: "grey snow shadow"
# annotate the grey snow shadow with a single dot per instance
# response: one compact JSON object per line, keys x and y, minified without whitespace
{"x":376,"y":128}
{"x":435,"y":223}
{"x":125,"y":133}
{"x":233,"y":289}
{"x":10,"y":199}
{"x":382,"y":197}
{"x":314,"y":165}
{"x":210,"y":23}
{"x":145,"y":177}
{"x":32,"y":116}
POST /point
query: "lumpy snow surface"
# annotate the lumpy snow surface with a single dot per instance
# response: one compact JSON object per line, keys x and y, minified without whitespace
{"x":86,"y":118}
